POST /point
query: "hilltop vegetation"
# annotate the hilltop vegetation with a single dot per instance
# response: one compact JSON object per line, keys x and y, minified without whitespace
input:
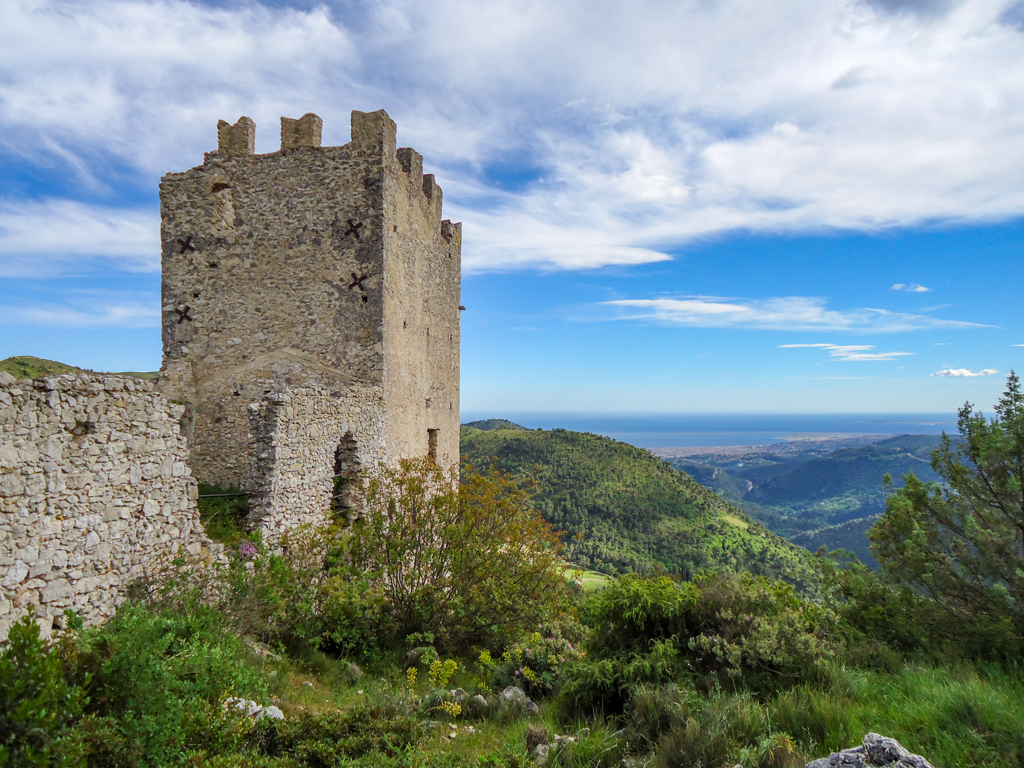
{"x":620,"y":509}
{"x":28,"y":367}
{"x":487,"y":424}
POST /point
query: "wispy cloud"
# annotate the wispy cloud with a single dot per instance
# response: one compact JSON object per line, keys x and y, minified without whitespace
{"x":852,"y":352}
{"x":910,"y":288}
{"x":796,"y":313}
{"x":54,"y":236}
{"x":957,"y":373}
{"x":791,"y":117}
{"x":88,"y":309}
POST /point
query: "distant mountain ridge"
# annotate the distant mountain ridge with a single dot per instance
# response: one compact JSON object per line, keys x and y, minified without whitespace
{"x":622,"y":509}
{"x":489,"y":424}
{"x":29,"y":367}
{"x":812,"y":499}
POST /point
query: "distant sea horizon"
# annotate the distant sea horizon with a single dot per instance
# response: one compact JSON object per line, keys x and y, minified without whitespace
{"x":719,"y":430}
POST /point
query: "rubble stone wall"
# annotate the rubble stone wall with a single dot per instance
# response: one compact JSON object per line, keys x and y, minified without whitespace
{"x":95,"y":492}
{"x":304,"y":439}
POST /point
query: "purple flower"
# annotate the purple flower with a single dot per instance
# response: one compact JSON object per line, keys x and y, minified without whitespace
{"x":570,"y":646}
{"x":247,"y":550}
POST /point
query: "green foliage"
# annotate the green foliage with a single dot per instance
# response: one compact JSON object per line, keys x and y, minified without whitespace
{"x":335,"y":738}
{"x":722,"y":729}
{"x":718,"y":631}
{"x":28,"y":367}
{"x":468,"y":563}
{"x":961,"y":543}
{"x":533,"y":663}
{"x":155,"y":682}
{"x":622,"y":509}
{"x":488,"y":424}
{"x":883,"y":622}
{"x":38,"y":708}
{"x":223,"y":512}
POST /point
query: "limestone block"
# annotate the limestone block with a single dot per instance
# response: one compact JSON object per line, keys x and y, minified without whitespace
{"x":26,"y":597}
{"x":57,"y":590}
{"x":16,"y":574}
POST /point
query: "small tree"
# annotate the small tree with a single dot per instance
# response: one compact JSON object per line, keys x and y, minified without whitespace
{"x":38,"y":709}
{"x":962,"y":542}
{"x":463,"y":562}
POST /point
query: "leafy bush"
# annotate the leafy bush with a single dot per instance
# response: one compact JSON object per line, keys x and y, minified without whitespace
{"x":534,"y":663}
{"x":156,"y":683}
{"x":736,"y":632}
{"x":38,"y":709}
{"x":467,"y":563}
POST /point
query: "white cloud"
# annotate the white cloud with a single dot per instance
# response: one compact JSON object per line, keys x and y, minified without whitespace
{"x":911,"y":288}
{"x":649,"y":124}
{"x":41,"y":238}
{"x":795,"y":313}
{"x":88,"y":309}
{"x":963,"y":372}
{"x":851,"y":352}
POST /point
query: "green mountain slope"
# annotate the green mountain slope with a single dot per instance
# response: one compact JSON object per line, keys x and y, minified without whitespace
{"x":622,"y":509}
{"x":813,"y":500}
{"x":852,"y":472}
{"x":28,"y":367}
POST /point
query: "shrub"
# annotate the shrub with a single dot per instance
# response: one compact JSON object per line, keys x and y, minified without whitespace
{"x":534,"y":663}
{"x":736,"y":632}
{"x":38,"y":709}
{"x":468,"y":563}
{"x":156,"y":683}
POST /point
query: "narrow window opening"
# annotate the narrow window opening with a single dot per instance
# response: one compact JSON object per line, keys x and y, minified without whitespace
{"x":432,"y":444}
{"x":346,"y":479}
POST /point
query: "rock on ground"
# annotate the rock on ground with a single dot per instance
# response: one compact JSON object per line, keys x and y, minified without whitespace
{"x":877,"y":751}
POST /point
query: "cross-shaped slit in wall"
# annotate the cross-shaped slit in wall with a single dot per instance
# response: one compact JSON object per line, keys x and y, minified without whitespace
{"x":353,"y":228}
{"x":357,"y":282}
{"x":186,"y":244}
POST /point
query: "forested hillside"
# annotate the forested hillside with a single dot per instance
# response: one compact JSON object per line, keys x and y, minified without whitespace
{"x":811,"y":499}
{"x":622,"y":509}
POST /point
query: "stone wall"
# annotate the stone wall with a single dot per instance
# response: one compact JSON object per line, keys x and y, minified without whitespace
{"x":95,"y":492}
{"x":422,"y":274}
{"x":304,"y":438}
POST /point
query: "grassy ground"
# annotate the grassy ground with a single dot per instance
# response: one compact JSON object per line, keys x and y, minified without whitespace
{"x":953,"y":716}
{"x":589,"y":580}
{"x":28,"y":367}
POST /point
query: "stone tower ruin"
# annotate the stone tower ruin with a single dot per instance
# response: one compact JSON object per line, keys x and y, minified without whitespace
{"x":310,"y":314}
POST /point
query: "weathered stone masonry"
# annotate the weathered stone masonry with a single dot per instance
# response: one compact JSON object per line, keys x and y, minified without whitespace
{"x":95,"y":492}
{"x":317,"y":285}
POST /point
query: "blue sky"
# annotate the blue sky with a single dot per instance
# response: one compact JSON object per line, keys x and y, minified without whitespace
{"x":707,"y":206}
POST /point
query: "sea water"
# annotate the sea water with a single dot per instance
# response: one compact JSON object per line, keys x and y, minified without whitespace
{"x":688,"y":430}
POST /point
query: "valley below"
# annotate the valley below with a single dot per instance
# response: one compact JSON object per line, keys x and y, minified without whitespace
{"x":815,"y":492}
